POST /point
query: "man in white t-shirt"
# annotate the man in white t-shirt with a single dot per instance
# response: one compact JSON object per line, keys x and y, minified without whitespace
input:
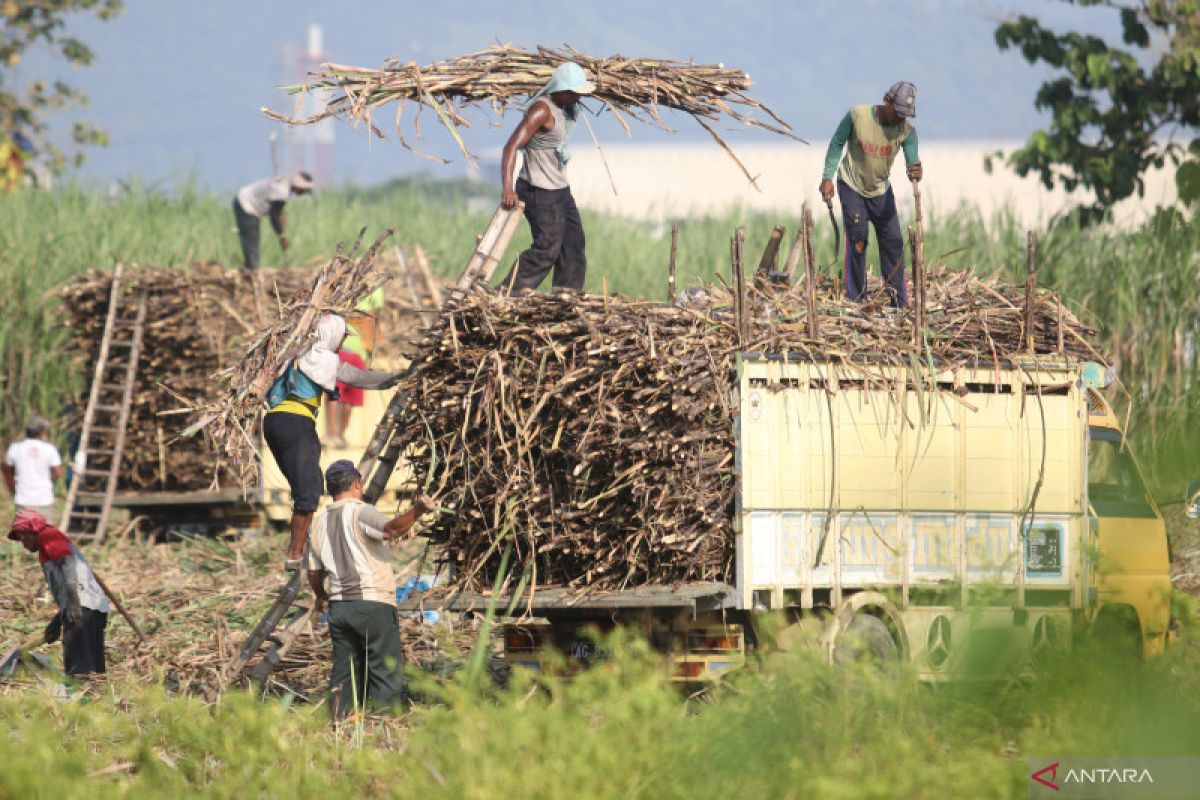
{"x":30,"y":468}
{"x":266,"y":198}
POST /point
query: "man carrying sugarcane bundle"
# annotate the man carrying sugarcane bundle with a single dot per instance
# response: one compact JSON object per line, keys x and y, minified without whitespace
{"x":290,"y":426}
{"x":558,"y":240}
{"x":872,"y":135}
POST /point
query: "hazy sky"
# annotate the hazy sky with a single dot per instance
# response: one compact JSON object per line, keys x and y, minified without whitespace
{"x":178,"y":84}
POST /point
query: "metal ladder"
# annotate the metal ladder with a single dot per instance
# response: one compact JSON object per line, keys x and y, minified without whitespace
{"x":101,"y":442}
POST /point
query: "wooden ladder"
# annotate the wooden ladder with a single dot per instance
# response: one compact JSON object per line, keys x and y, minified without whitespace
{"x":102,"y":440}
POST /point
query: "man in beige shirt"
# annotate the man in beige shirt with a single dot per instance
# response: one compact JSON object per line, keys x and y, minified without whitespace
{"x":349,"y":545}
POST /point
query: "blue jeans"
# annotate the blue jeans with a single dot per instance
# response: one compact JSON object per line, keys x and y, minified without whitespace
{"x":880,"y":211}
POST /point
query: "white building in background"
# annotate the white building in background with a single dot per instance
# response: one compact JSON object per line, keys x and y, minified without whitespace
{"x":669,"y":181}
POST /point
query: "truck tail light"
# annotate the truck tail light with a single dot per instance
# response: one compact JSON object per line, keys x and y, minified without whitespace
{"x":689,"y":669}
{"x":523,"y":640}
{"x":704,"y":641}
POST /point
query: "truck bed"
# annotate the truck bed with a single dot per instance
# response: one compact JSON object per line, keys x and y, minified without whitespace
{"x":697,"y":597}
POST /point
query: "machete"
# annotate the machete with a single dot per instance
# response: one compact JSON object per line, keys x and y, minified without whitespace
{"x":837,"y":232}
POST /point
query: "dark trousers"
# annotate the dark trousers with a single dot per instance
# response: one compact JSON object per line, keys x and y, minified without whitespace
{"x":248,"y":227}
{"x":880,"y":211}
{"x":292,"y":439}
{"x":83,"y":643}
{"x":368,"y":661}
{"x":558,"y":241}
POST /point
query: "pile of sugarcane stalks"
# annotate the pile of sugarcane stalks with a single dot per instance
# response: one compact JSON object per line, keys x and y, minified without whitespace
{"x":498,"y":75}
{"x":198,"y":320}
{"x":595,"y":434}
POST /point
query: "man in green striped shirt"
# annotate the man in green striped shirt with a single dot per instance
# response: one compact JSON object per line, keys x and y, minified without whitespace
{"x":871,"y":136}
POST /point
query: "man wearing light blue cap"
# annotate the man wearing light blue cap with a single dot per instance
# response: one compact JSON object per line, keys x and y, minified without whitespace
{"x":558,"y":241}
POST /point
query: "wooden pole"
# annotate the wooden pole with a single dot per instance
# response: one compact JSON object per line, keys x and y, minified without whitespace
{"x":918,"y":305}
{"x":671,"y":264}
{"x":810,"y":272}
{"x":770,"y":257}
{"x":918,"y":253}
{"x":739,"y":283}
{"x":120,"y":608}
{"x":1030,"y":283}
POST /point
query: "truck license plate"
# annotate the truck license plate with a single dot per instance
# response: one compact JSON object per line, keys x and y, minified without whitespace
{"x":1043,"y":551}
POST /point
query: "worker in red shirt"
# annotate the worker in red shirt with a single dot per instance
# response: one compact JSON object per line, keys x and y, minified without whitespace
{"x":82,"y":607}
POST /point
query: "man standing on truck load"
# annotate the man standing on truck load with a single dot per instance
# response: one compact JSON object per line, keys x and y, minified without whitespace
{"x":874,"y":134}
{"x":554,"y":222}
{"x":266,"y":198}
{"x":290,"y":427}
{"x":31,"y":466}
{"x":350,"y":546}
{"x":82,"y":607}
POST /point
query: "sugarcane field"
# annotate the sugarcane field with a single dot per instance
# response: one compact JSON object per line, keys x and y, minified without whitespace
{"x":736,"y":440}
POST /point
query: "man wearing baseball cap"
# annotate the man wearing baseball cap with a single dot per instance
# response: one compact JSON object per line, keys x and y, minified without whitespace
{"x":872,"y":135}
{"x":558,"y":241}
{"x":266,"y":198}
{"x":82,"y":607}
{"x":349,"y":545}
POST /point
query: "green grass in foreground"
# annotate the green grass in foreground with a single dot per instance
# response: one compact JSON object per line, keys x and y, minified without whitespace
{"x":1138,"y":287}
{"x":792,"y":728}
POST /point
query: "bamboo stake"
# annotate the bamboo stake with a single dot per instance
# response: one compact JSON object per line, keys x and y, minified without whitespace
{"x":918,"y":306}
{"x":769,"y":261}
{"x":671,"y":264}
{"x":739,"y":282}
{"x":810,"y":273}
{"x":1030,"y":283}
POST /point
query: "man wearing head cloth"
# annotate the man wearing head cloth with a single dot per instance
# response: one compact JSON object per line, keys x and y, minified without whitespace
{"x":558,"y":241}
{"x":290,"y":426}
{"x":82,"y":607}
{"x":350,"y":546}
{"x":872,"y":136}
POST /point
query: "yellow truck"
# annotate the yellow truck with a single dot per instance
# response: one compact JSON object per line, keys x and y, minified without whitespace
{"x":962,"y":520}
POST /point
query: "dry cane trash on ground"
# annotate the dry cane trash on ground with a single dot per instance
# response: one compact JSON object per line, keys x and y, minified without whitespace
{"x":196,"y":599}
{"x":498,"y":75}
{"x":596,"y":433}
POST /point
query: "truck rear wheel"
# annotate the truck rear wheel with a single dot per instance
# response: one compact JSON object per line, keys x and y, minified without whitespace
{"x":866,"y":638}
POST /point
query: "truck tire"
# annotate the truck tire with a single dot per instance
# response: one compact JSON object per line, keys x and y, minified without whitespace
{"x":866,"y":638}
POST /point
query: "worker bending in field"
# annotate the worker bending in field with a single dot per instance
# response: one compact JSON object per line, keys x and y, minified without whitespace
{"x":554,"y":222}
{"x":31,"y":466}
{"x":872,"y":136}
{"x":350,"y":547}
{"x":266,"y":198}
{"x":290,"y":427}
{"x":82,"y":607}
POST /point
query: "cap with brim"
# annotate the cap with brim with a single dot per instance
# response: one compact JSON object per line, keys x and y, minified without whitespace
{"x":904,"y":98}
{"x":341,"y":469}
{"x":569,"y":77}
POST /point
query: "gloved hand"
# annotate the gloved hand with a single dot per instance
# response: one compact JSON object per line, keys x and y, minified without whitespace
{"x":53,"y":629}
{"x":914,"y":171}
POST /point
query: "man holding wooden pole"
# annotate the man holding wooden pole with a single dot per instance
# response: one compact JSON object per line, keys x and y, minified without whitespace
{"x":872,"y":135}
{"x":558,"y":240}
